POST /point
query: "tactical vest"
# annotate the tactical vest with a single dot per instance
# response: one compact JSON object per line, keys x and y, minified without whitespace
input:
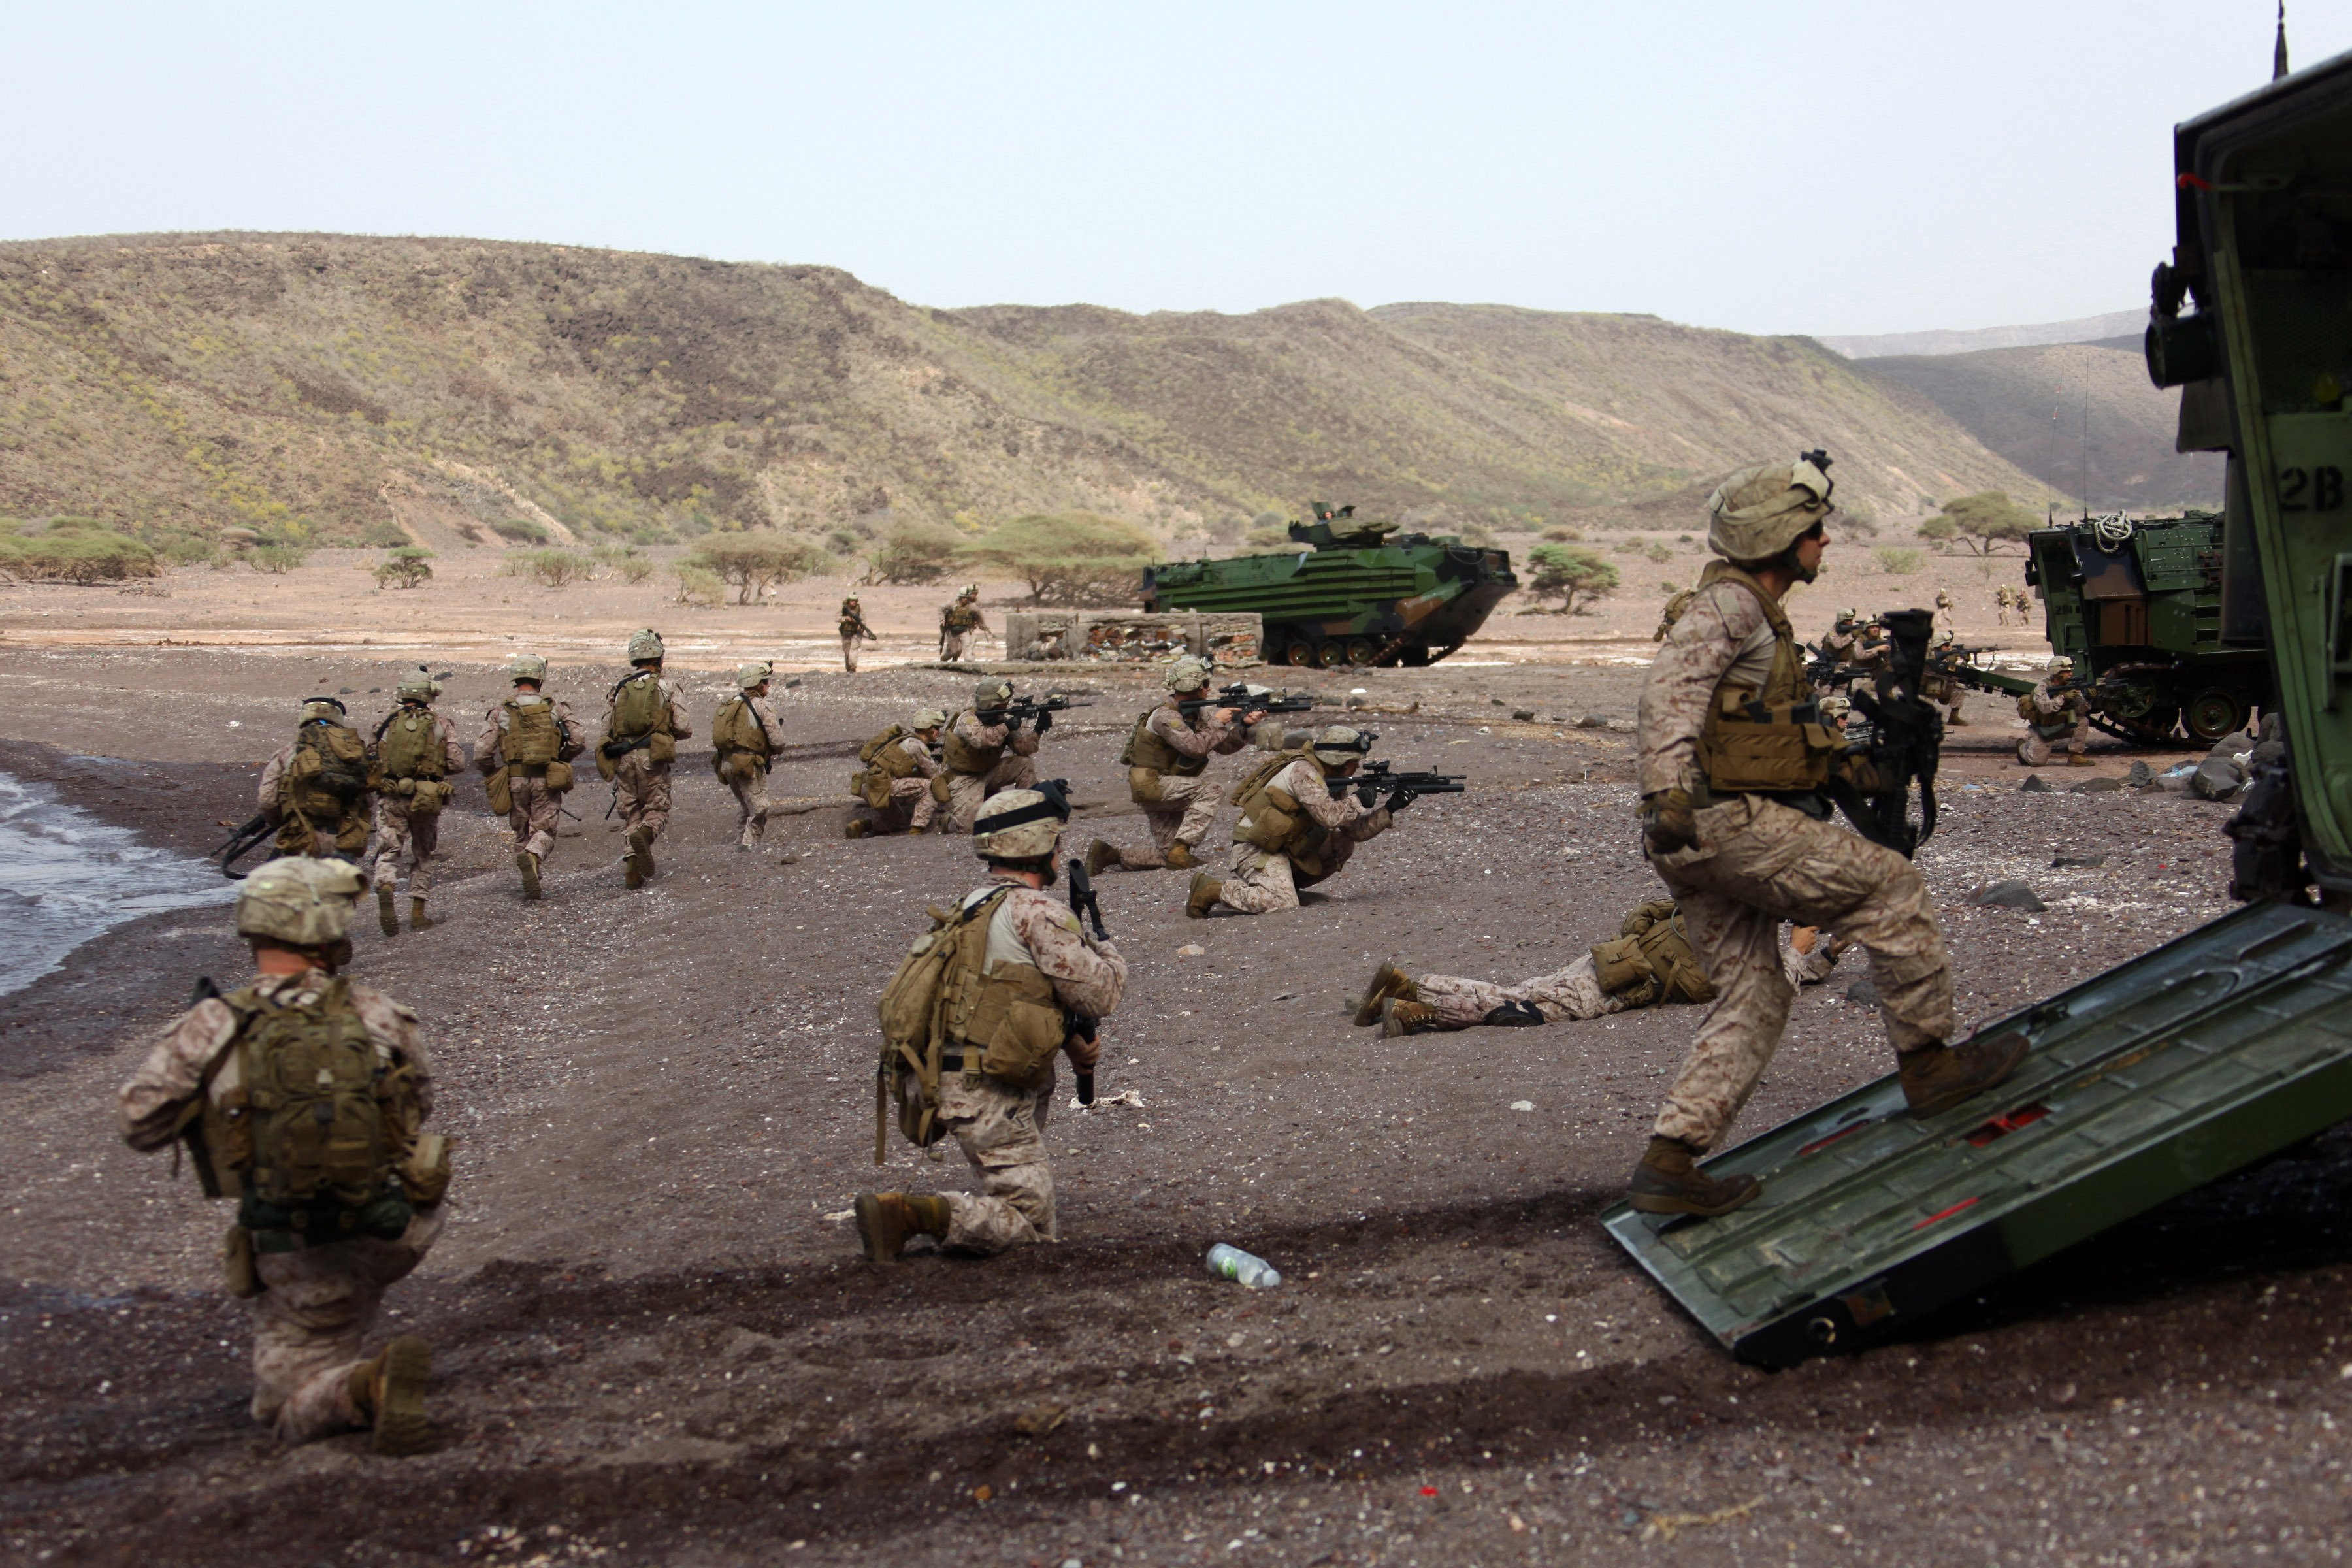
{"x":306,"y":1120}
{"x":886,"y":762}
{"x":962,"y":756}
{"x":1652,"y":962}
{"x":737,"y":729}
{"x":958,"y":619}
{"x":1148,"y":749}
{"x":1273,"y":820}
{"x":1770,"y":742}
{"x":329,"y":771}
{"x":636,"y":718}
{"x":408,"y":744}
{"x":529,"y":734}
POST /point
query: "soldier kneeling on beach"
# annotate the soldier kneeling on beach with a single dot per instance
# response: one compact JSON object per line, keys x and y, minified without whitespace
{"x":302,"y":1096}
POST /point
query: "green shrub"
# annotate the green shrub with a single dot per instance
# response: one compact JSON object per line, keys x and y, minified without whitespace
{"x":406,"y":567}
{"x":551,"y":568}
{"x":699,"y":584}
{"x":520,"y":529}
{"x":1563,"y":534}
{"x":843,"y":540}
{"x":1068,"y":558}
{"x":383,"y":533}
{"x":276,"y":559}
{"x":754,"y":562}
{"x":1981,"y":521}
{"x":187,"y":550}
{"x":912,"y":551}
{"x":1570,"y":570}
{"x":1628,"y":547}
{"x":635,"y":568}
{"x":77,"y":555}
{"x":1660,"y":553}
{"x":1900,"y":563}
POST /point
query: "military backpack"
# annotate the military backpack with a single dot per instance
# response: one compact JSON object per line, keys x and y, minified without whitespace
{"x":736,"y":732}
{"x":328,"y":769}
{"x":637,"y":719}
{"x":886,"y":762}
{"x":408,"y":744}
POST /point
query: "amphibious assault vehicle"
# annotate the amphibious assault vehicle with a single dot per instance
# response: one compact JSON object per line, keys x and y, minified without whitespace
{"x":1360,"y":591}
{"x":2138,"y":606}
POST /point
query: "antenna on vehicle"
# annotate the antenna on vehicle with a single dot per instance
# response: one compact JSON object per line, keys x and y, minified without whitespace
{"x":2278,"y":49}
{"x":2086,"y":426}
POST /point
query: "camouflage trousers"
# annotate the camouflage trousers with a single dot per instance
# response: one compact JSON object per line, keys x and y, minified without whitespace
{"x":749,"y":786}
{"x":912,"y":805}
{"x":1183,"y":813}
{"x":951,"y":647}
{"x":849,"y":654}
{"x":643,"y":791}
{"x":321,"y":833}
{"x":2037,"y":748}
{"x":967,"y":793}
{"x":397,"y":828}
{"x":1261,"y":882}
{"x":310,"y":1323}
{"x":1565,"y":996}
{"x":1001,"y":1129}
{"x":1756,"y":864}
{"x":538,"y":812}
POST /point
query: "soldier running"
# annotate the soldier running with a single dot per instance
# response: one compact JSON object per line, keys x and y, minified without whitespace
{"x":744,"y":740}
{"x":416,"y":753}
{"x":318,"y":787}
{"x":1167,"y":761}
{"x":854,"y":631}
{"x":303,"y":1097}
{"x":643,"y":722}
{"x":525,"y":756}
{"x":1735,"y":822}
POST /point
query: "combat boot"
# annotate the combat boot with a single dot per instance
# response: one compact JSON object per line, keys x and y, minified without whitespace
{"x":641,"y":845}
{"x":386,"y":915}
{"x":1399,"y":1017}
{"x":528,"y":864}
{"x":885,"y":1221}
{"x":1940,"y":1076}
{"x":1179,"y":856}
{"x":1206,"y":891}
{"x":2077,"y":760}
{"x":416,"y":920}
{"x":1101,"y":856}
{"x":917,"y":832}
{"x":632,"y":864}
{"x":1388,"y":981}
{"x":389,"y":1390}
{"x":857,"y":829}
{"x":1668,"y":1181}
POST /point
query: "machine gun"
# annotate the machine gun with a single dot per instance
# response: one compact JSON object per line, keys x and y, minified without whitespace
{"x":1901,"y":735}
{"x":254,"y":832}
{"x":1402,"y":789}
{"x":1037,"y":711}
{"x":1244,"y":698}
{"x":1087,"y":907}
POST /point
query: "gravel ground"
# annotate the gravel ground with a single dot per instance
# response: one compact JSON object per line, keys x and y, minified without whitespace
{"x":654,"y":1343}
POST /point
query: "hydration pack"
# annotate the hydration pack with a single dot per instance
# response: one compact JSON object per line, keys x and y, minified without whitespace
{"x":328,"y":760}
{"x":408,"y":744}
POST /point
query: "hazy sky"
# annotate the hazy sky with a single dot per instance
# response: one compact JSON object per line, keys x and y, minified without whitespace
{"x":1772,"y":167}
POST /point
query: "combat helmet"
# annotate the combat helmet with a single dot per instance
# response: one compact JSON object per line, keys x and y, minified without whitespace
{"x":300,"y":902}
{"x":527,"y":667}
{"x":1188,"y":674}
{"x":1021,"y":824}
{"x":1761,"y":510}
{"x":417,"y":686}
{"x":1337,"y":745}
{"x":926,"y":719}
{"x":971,"y":592}
{"x":992,"y":693}
{"x":748,"y":676}
{"x":646,"y":645}
{"x":326,"y":707}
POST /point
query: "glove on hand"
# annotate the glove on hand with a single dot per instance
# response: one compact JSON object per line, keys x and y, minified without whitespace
{"x":1044,"y":722}
{"x":1667,"y":821}
{"x":1402,"y":799}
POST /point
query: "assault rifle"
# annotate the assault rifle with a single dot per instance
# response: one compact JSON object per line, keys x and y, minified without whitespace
{"x":256,"y":831}
{"x":1033,"y":711}
{"x":1901,"y":735}
{"x":1243,"y":698}
{"x":1402,"y":789}
{"x":1957,"y":665}
{"x":1084,"y":904}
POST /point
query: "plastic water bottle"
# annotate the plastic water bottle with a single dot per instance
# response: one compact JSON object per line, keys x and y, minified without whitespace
{"x":1231,"y":1263}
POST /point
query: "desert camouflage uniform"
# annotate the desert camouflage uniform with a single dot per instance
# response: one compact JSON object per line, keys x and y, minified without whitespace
{"x":957,"y":623}
{"x":346,"y":834}
{"x":1756,"y":863}
{"x":1263,"y":881}
{"x":748,"y":779}
{"x":398,"y":828}
{"x":641,"y":786}
{"x":2054,"y":707}
{"x":912,"y":805}
{"x":1186,"y":806}
{"x":1000,"y":1127}
{"x":311,"y":1322}
{"x":538,"y":810}
{"x":1573,"y":995}
{"x":852,"y":631}
{"x":967,"y":793}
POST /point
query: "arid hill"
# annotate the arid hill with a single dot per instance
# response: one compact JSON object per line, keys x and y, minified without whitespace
{"x":370,"y":389}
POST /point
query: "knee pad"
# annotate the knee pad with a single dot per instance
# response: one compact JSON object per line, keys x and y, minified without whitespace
{"x":1515,"y":1015}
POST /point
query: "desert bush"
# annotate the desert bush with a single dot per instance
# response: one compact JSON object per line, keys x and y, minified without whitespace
{"x":276,"y":559}
{"x":1477,"y":535}
{"x":1660,"y":553}
{"x":1570,"y":570}
{"x":383,"y":533}
{"x":843,"y":540}
{"x":1067,"y":558}
{"x":1899,"y":562}
{"x":699,"y":584}
{"x":551,"y":568}
{"x":1627,"y":547}
{"x":754,"y":562}
{"x":1981,"y":521}
{"x":406,"y":567}
{"x":520,"y":529}
{"x":189,"y":551}
{"x":1561,"y":534}
{"x":1228,"y":529}
{"x":912,"y":551}
{"x":77,"y":555}
{"x":1267,"y":538}
{"x":1859,"y":516}
{"x":634,"y":568}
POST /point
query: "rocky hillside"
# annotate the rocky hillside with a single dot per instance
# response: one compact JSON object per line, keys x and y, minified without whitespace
{"x":344,"y":388}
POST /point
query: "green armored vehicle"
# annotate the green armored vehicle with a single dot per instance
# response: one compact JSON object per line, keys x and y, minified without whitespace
{"x":1360,"y":592}
{"x":2138,"y":606}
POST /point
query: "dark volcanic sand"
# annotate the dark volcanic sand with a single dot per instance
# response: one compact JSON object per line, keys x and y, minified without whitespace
{"x":653,"y":1346}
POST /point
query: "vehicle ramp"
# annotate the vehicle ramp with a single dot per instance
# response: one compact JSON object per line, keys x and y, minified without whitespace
{"x":2199,"y":1058}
